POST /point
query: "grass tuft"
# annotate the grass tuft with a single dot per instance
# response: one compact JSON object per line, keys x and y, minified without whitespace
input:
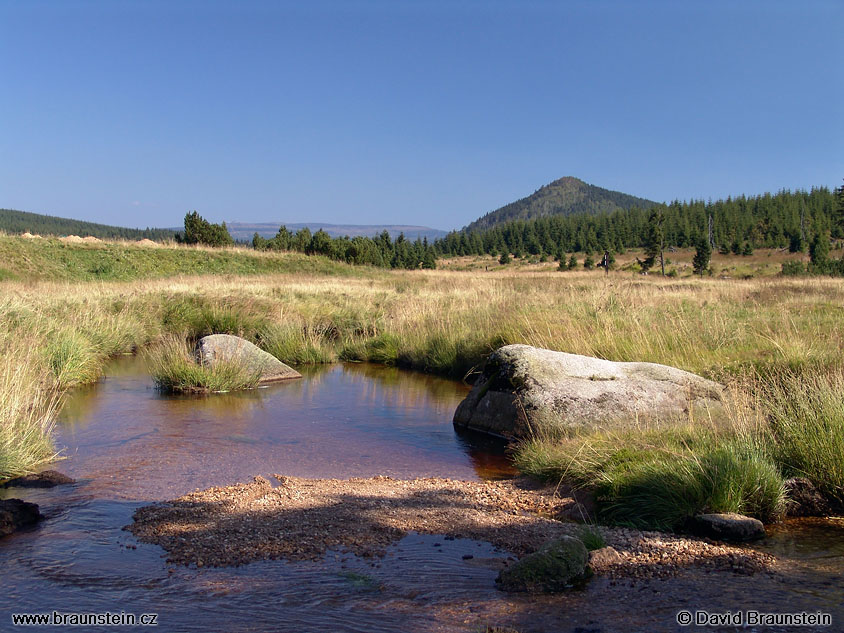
{"x":174,"y":370}
{"x":199,"y":316}
{"x":29,"y":400}
{"x":298,"y":343}
{"x":656,"y":479}
{"x":806,"y":421}
{"x":73,"y":359}
{"x":591,"y":537}
{"x":661,"y":493}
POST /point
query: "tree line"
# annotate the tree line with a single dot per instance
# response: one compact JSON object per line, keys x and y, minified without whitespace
{"x":381,"y":251}
{"x":787,"y":219}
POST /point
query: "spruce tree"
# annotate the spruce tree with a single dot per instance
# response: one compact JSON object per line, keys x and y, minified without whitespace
{"x":838,"y":214}
{"x":654,"y":241}
{"x":703,"y":253}
{"x":819,"y":254}
{"x":199,"y":231}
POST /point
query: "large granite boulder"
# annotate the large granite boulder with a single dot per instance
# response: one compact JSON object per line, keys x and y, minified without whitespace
{"x":556,"y":566}
{"x":526,"y":391}
{"x":227,"y":348}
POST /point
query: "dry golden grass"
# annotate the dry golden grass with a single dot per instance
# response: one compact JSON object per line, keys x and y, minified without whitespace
{"x":762,"y":263}
{"x":442,"y":321}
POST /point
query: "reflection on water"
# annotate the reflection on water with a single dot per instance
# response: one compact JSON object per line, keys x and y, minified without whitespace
{"x":338,"y":421}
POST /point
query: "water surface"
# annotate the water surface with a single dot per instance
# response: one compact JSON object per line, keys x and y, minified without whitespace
{"x":351,"y":420}
{"x":128,"y":445}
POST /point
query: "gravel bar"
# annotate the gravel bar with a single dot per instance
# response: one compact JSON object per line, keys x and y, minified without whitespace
{"x":301,"y":519}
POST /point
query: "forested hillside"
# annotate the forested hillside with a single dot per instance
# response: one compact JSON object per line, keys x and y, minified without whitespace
{"x":22,"y":222}
{"x":783,"y":220}
{"x":566,"y":196}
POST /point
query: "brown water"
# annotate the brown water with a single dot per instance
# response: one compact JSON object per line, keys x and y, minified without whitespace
{"x":339,"y":421}
{"x":128,"y":445}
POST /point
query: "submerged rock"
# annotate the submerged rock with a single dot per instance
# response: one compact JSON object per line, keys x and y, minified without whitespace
{"x":805,"y":500}
{"x":227,"y":348}
{"x":727,"y":527}
{"x":45,"y":479}
{"x":16,"y":514}
{"x":526,"y":390}
{"x":554,"y":567}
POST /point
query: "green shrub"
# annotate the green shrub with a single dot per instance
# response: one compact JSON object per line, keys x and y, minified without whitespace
{"x":793,"y":268}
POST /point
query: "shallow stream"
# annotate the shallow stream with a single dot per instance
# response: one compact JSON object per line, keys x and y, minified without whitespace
{"x":128,"y":445}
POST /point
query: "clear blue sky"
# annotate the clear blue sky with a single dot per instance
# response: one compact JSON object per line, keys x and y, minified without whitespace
{"x":429,"y":113}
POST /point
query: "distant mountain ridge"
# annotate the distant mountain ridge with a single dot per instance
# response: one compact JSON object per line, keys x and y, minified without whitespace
{"x":566,"y":196}
{"x":245,"y":230}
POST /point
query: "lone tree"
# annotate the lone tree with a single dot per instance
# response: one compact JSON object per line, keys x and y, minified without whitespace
{"x":703,"y":253}
{"x":198,"y":230}
{"x":504,"y":259}
{"x":838,"y":215}
{"x":654,"y":242}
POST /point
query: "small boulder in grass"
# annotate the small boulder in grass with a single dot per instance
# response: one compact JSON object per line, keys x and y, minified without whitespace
{"x":216,"y":348}
{"x":730,"y":527}
{"x":555,"y":567}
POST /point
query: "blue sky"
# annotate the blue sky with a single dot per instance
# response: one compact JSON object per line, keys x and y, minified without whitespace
{"x":429,"y":113}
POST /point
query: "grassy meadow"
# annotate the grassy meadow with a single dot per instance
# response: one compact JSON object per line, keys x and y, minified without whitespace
{"x":777,"y":342}
{"x":678,"y":263}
